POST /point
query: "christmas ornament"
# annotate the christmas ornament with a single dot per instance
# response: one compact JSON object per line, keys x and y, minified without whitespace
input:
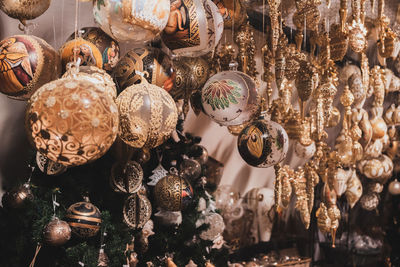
{"x":198,"y":153}
{"x":369,"y":201}
{"x":148,"y":115}
{"x":230,"y":98}
{"x":134,"y":21}
{"x":56,"y":232}
{"x":144,"y":236}
{"x":305,"y":152}
{"x":84,"y":219}
{"x":339,"y":42}
{"x":354,"y":189}
{"x":232,"y":12}
{"x":227,"y":200}
{"x":26,"y":63}
{"x":83,"y":50}
{"x":151,"y":63}
{"x":169,"y":217}
{"x":95,"y":75}
{"x":108,"y":47}
{"x":103,"y":260}
{"x":158,"y":173}
{"x":132,"y":172}
{"x":216,"y":226}
{"x":48,"y":166}
{"x":16,"y":197}
{"x":194,"y":28}
{"x":136,"y":211}
{"x":247,"y":49}
{"x":190,"y":169}
{"x":71,"y":121}
{"x":24,"y":10}
{"x":394,"y":187}
{"x":173,"y":193}
{"x":263,"y":143}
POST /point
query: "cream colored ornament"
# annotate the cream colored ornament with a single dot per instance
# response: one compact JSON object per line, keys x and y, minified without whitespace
{"x":305,"y":152}
{"x":354,"y":189}
{"x":357,"y":36}
{"x":24,"y":10}
{"x":394,"y":187}
{"x":339,"y":182}
{"x":376,"y":168}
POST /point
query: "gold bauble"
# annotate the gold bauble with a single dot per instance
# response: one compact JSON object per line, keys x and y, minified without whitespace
{"x":71,"y":121}
{"x":56,"y":232}
{"x":24,"y":10}
{"x":148,"y":115}
{"x":49,"y":167}
{"x":136,"y":211}
{"x":357,"y":39}
{"x":379,"y":128}
{"x":339,"y":42}
{"x":132,"y":173}
{"x":173,"y":193}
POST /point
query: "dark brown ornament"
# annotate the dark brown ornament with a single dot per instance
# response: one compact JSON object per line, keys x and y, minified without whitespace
{"x":56,"y":232}
{"x":16,"y":198}
{"x":198,"y":153}
{"x":84,"y":219}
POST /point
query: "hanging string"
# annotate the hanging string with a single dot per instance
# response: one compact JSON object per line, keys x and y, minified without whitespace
{"x":76,"y":27}
{"x":55,"y":203}
{"x":62,"y":19}
{"x":38,"y":247}
{"x":305,"y":32}
{"x":233,"y":23}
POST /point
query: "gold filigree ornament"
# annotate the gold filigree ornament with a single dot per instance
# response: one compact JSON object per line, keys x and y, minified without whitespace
{"x":148,"y":115}
{"x":137,"y":210}
{"x":339,"y":42}
{"x":247,"y":48}
{"x":357,"y":36}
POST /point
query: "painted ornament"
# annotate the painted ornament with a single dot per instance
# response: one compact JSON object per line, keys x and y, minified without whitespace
{"x":26,"y":63}
{"x":232,"y":12}
{"x":84,"y":218}
{"x":136,"y":21}
{"x":230,"y":98}
{"x":263,"y":143}
{"x":71,"y":121}
{"x":148,"y":115}
{"x":194,"y":27}
{"x":24,"y":10}
{"x":151,"y":63}
{"x":108,"y":47}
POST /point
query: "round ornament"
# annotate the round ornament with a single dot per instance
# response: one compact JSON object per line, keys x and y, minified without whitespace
{"x":217,"y":226}
{"x":369,"y":201}
{"x":95,"y":75}
{"x":56,"y":232}
{"x":133,"y":173}
{"x":357,"y":37}
{"x":24,"y":10}
{"x":71,"y":121}
{"x":198,"y":153}
{"x":136,"y":21}
{"x":305,"y":152}
{"x":26,"y":63}
{"x":83,"y":50}
{"x":136,"y":211}
{"x":263,"y":143}
{"x":173,"y":193}
{"x":16,"y":197}
{"x":394,"y":187}
{"x":230,"y":98}
{"x":151,"y":63}
{"x":148,"y":115}
{"x":84,"y":218}
{"x":108,"y":47}
{"x":48,"y":166}
{"x":194,"y":27}
{"x":190,"y":169}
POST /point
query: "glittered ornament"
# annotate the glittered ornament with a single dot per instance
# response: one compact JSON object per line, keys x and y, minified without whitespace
{"x":136,"y":211}
{"x":16,"y":197}
{"x":71,"y":121}
{"x":84,"y":219}
{"x":48,"y":166}
{"x":369,"y":201}
{"x":132,"y":173}
{"x":216,"y":226}
{"x":80,"y":49}
{"x":339,"y":42}
{"x":26,"y":63}
{"x":136,"y":21}
{"x":24,"y":10}
{"x":108,"y":47}
{"x":190,"y":169}
{"x":56,"y":232}
{"x":194,"y":27}
{"x":230,"y":98}
{"x":357,"y":37}
{"x":263,"y":143}
{"x":173,"y":193}
{"x":148,"y":115}
{"x":394,"y":187}
{"x":151,"y":63}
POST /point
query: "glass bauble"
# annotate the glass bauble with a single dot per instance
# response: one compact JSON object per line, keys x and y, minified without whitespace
{"x":230,"y":98}
{"x":84,"y":218}
{"x":71,"y":121}
{"x":26,"y":63}
{"x":80,"y":49}
{"x":135,"y":21}
{"x":305,"y":152}
{"x":227,"y":200}
{"x":108,"y":47}
{"x":263,"y":143}
{"x":232,"y":11}
{"x":190,"y":169}
{"x":394,"y":187}
{"x":194,"y":27}
{"x":17,"y":197}
{"x":56,"y":232}
{"x":198,"y":153}
{"x":95,"y":75}
{"x":216,"y":228}
{"x":151,"y":63}
{"x":173,"y":193}
{"x":148,"y":115}
{"x":24,"y":10}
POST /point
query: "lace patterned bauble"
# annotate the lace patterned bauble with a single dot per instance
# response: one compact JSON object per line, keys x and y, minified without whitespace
{"x":132,"y":173}
{"x":136,"y":211}
{"x":148,"y":115}
{"x":152,"y":63}
{"x":49,"y":167}
{"x":230,"y":98}
{"x":135,"y":21}
{"x":194,"y":27}
{"x":71,"y":121}
{"x":84,"y":218}
{"x":369,"y":201}
{"x":56,"y":232}
{"x":173,"y":193}
{"x":263,"y":143}
{"x":217,"y":226}
{"x":26,"y":63}
{"x":95,"y":75}
{"x":24,"y":10}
